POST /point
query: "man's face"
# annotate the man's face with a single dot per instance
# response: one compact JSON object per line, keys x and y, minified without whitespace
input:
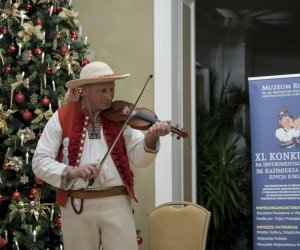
{"x":286,"y":122}
{"x":98,"y":97}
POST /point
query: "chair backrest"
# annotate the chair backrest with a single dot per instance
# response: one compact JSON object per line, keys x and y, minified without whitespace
{"x":183,"y":227}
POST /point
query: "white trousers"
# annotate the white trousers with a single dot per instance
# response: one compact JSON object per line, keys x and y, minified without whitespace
{"x":107,"y":221}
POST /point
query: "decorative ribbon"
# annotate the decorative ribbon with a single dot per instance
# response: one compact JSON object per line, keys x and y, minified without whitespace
{"x":41,"y":115}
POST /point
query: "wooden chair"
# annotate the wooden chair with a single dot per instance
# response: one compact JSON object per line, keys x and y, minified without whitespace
{"x":183,"y":227}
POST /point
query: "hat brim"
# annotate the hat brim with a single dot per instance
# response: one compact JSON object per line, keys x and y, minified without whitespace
{"x":74,"y":84}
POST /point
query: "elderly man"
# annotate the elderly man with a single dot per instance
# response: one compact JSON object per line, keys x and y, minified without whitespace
{"x":72,"y":145}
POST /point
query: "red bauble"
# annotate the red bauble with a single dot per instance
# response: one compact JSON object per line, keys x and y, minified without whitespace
{"x":57,"y":222}
{"x":33,"y":193}
{"x":58,"y":8}
{"x":38,"y":51}
{"x":48,"y":69}
{"x":2,"y":242}
{"x":39,"y":21}
{"x":84,"y":62}
{"x":19,"y":98}
{"x":45,"y":101}
{"x":27,"y":116}
{"x":16,"y":196}
{"x":74,"y":37}
{"x":139,"y":240}
{"x":28,"y":6}
{"x":12,"y":48}
{"x":4,"y":30}
{"x":6,"y":165}
{"x":64,"y":50}
{"x":7,"y":69}
{"x":2,"y":197}
{"x":37,"y":180}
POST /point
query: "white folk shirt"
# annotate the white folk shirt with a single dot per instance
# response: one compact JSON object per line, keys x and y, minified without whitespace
{"x":46,"y":167}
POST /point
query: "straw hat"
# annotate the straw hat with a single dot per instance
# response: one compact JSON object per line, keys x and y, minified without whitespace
{"x":95,"y":72}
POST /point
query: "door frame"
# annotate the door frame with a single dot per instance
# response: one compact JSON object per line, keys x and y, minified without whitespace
{"x":168,"y":104}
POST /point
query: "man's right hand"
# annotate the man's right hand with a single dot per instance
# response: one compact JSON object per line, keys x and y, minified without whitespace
{"x":85,"y":171}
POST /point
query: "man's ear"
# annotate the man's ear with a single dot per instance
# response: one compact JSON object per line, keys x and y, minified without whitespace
{"x":84,"y":90}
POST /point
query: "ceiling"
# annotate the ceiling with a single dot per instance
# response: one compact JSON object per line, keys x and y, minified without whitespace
{"x":283,"y":12}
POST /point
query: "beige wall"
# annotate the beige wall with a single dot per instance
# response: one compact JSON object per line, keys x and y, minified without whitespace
{"x":120,"y":32}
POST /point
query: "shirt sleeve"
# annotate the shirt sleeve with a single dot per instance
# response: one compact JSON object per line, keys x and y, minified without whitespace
{"x":44,"y":163}
{"x":137,"y":151}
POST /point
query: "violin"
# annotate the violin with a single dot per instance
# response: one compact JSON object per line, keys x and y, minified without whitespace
{"x":141,"y":118}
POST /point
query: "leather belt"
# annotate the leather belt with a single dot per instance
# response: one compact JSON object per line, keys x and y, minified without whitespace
{"x":91,"y":194}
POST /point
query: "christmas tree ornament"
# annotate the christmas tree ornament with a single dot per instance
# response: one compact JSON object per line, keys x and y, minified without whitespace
{"x":16,"y":163}
{"x":57,"y":222}
{"x":48,"y":69}
{"x":38,"y":51}
{"x":4,"y":30}
{"x":3,"y":117}
{"x":6,"y":165}
{"x":19,"y":98}
{"x":7,"y":69}
{"x":24,"y":179}
{"x":33,"y":193}
{"x":26,"y":134}
{"x":27,"y":116}
{"x":12,"y":49}
{"x":74,"y":35}
{"x":58,"y":8}
{"x":3,"y":242}
{"x":33,"y":98}
{"x":18,"y":83}
{"x":70,"y":17}
{"x":16,"y":196}
{"x":39,"y":21}
{"x":45,"y":101}
{"x":84,"y":61}
{"x":31,"y":31}
{"x":27,"y":55}
{"x":64,"y":50}
{"x":2,"y":197}
{"x":28,"y":7}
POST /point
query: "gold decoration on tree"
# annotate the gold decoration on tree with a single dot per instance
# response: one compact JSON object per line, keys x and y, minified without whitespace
{"x":66,"y":61}
{"x":33,"y":98}
{"x":27,"y":134}
{"x":11,"y":12}
{"x":3,"y":117}
{"x":70,"y":16}
{"x":15,"y":163}
{"x":27,"y":55}
{"x":41,"y":115}
{"x":30,"y":31}
{"x":35,"y":208}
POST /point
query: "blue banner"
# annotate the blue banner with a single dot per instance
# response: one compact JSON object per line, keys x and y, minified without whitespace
{"x":275,"y":142}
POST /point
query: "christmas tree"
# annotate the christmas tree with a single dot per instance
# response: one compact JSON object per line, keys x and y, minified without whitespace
{"x":41,"y":48}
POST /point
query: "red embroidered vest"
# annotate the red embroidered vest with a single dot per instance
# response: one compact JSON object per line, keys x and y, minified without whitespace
{"x":74,"y":122}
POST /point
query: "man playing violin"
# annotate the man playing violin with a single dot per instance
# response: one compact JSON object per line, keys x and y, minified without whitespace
{"x":94,"y":198}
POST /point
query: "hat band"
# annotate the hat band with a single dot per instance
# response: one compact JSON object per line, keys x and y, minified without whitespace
{"x":108,"y":75}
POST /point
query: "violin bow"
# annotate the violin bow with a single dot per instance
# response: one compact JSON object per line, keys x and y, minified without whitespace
{"x":91,"y":181}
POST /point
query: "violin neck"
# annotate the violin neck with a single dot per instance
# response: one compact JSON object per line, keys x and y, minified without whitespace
{"x":145,"y":117}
